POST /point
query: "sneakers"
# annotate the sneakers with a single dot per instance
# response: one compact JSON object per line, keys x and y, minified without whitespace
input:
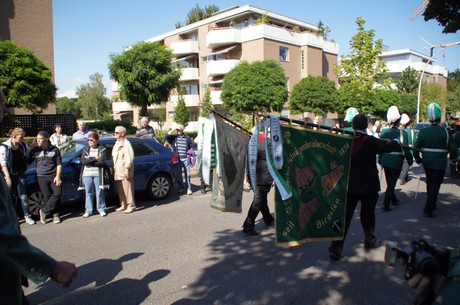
{"x":189,"y":192}
{"x":29,"y":220}
{"x":42,"y":216}
{"x":86,"y":215}
{"x":56,"y":218}
{"x":103,"y":214}
{"x":120,"y":209}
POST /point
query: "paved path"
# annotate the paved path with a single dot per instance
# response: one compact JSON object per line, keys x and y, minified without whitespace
{"x":181,"y":251}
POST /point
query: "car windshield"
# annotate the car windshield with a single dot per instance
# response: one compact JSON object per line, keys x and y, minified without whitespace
{"x":69,"y":149}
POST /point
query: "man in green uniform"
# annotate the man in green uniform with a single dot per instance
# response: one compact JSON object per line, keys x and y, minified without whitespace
{"x":435,"y":142}
{"x":392,"y":162}
{"x":349,"y":115}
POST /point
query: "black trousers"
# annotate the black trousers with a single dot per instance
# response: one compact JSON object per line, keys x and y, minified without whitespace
{"x":367,"y":218}
{"x":259,"y":204}
{"x":51,"y":193}
{"x":434,"y":179}
{"x":391,"y":177}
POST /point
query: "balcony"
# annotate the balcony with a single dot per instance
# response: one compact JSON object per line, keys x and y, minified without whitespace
{"x":220,"y":67}
{"x":215,"y":97}
{"x":118,"y":107}
{"x":189,"y":74}
{"x":222,"y":37}
{"x":191,"y":100}
{"x":184,"y":47}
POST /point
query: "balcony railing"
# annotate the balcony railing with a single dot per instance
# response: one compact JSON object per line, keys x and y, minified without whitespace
{"x":184,"y":47}
{"x":190,"y":100}
{"x":189,"y":74}
{"x":215,"y":97}
{"x":220,"y":67}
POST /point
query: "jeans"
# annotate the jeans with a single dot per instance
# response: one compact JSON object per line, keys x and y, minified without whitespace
{"x":185,"y":168}
{"x":18,"y":187}
{"x":51,"y":193}
{"x":92,"y":186}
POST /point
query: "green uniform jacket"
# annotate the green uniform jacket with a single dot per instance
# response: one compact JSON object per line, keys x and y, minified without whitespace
{"x":457,"y":142}
{"x":410,"y":137}
{"x":395,"y":159}
{"x":435,"y":143}
{"x":17,"y":257}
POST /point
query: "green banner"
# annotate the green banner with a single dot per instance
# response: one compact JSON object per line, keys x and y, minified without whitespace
{"x":316,"y":166}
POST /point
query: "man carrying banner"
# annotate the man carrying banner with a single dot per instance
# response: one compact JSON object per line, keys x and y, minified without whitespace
{"x":264,"y":183}
{"x":363,"y":184}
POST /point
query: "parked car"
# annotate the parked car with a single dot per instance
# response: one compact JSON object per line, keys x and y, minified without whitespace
{"x":156,"y":170}
{"x":417,"y":127}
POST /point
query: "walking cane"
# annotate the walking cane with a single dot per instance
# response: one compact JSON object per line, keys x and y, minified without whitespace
{"x":418,"y":184}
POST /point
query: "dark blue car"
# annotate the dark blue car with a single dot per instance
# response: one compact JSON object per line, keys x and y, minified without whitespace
{"x":156,"y":170}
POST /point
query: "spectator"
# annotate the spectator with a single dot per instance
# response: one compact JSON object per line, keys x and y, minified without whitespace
{"x":48,"y":166}
{"x":363,"y":153}
{"x":93,"y":158}
{"x":123,"y":171}
{"x":145,"y":131}
{"x":181,"y":144}
{"x":392,"y":162}
{"x":264,"y":182}
{"x":58,"y":138}
{"x":13,"y":159}
{"x":376,"y":129}
{"x":369,"y":129}
{"x":435,"y":143}
{"x":82,"y":132}
{"x":20,"y":259}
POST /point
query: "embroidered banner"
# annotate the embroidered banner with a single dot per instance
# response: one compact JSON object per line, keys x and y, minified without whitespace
{"x":227,"y":189}
{"x":316,"y":167}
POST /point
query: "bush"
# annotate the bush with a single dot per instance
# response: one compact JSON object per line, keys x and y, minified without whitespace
{"x":109,"y":126}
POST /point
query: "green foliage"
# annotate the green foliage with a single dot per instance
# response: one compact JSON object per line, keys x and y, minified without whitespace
{"x":408,"y":104}
{"x":65,"y":105}
{"x":408,"y":81}
{"x":360,"y":70}
{"x":453,"y":92}
{"x":25,"y":80}
{"x":91,"y":99}
{"x":431,"y":92}
{"x":446,"y":12}
{"x":207,"y":103}
{"x":145,"y":74}
{"x":109,"y":126}
{"x":315,"y":94}
{"x":382,"y":100}
{"x":323,"y":30}
{"x":255,"y":86}
{"x":181,"y":113}
{"x":245,"y":120}
{"x":263,"y":19}
{"x":197,"y":14}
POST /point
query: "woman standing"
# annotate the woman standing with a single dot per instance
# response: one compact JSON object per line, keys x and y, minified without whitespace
{"x":58,"y":138}
{"x":92,"y":175}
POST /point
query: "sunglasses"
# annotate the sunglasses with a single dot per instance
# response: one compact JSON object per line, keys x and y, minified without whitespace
{"x":91,"y":140}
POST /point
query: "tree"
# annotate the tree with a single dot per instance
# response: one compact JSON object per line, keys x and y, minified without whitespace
{"x":408,"y":104}
{"x":145,"y":74}
{"x":197,"y":14}
{"x":91,"y":99}
{"x":65,"y":105}
{"x":361,"y":70}
{"x":323,"y":30}
{"x":159,"y":115}
{"x":453,"y":92}
{"x":381,"y":101}
{"x":446,"y":12}
{"x":408,"y":81}
{"x":181,"y":113}
{"x":313,"y":94}
{"x":25,"y":80}
{"x":256,"y":86}
{"x":207,"y":103}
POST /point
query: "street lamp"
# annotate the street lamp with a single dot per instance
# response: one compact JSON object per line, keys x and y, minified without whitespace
{"x":442,"y":46}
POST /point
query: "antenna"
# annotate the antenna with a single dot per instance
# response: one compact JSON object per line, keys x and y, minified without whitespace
{"x":420,"y":9}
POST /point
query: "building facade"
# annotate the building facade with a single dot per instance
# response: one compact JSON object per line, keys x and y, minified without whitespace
{"x":210,"y":48}
{"x":29,"y":24}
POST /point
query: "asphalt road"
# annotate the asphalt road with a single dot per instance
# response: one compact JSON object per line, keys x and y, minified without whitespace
{"x":181,"y":251}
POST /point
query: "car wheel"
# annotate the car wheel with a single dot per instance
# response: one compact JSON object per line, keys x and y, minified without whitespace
{"x":159,"y":186}
{"x":36,"y":201}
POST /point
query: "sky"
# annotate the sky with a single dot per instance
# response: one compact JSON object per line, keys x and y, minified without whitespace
{"x":87,"y":32}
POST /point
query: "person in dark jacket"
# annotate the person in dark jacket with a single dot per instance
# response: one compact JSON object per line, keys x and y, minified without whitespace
{"x":92,"y":180}
{"x":181,"y":144}
{"x":363,"y":184}
{"x":264,"y":184}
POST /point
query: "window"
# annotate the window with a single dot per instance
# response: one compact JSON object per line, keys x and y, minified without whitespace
{"x":284,"y":54}
{"x":141,"y":149}
{"x":302,"y":59}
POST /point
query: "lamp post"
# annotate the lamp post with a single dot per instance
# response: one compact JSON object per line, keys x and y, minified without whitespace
{"x":442,"y":46}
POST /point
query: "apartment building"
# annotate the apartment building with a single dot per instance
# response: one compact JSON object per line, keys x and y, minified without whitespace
{"x":398,"y":60}
{"x":29,"y":24}
{"x":210,"y":48}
